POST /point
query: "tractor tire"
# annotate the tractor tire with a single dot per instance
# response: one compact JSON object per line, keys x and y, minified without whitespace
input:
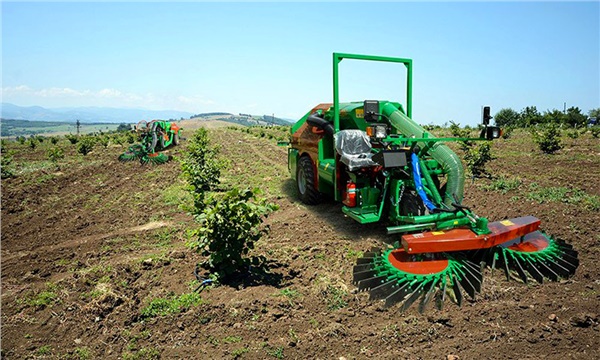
{"x":176,"y":139}
{"x":305,"y":181}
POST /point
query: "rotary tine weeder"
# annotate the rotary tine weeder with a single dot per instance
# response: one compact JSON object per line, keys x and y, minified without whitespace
{"x":155,"y":136}
{"x":384,"y":167}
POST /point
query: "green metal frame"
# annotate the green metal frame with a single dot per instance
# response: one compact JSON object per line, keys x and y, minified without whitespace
{"x":337,"y":58}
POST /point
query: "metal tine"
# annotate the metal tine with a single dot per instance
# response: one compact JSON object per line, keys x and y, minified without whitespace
{"x":427,"y":297}
{"x":566,"y":264}
{"x":364,"y":260}
{"x":456,"y":289}
{"x":559,"y":269}
{"x":358,"y":276}
{"x":370,"y":254}
{"x":371,"y":282}
{"x":398,"y":295}
{"x":473,"y":279}
{"x":361,"y":267}
{"x":517,"y":266}
{"x":375,"y":250}
{"x":570,"y":258}
{"x":469,"y":288}
{"x":548,"y":272}
{"x":441,"y":295}
{"x":534,"y":271}
{"x":383,"y":290}
{"x":563,"y":243}
{"x":412,"y":297}
{"x":475,"y":270}
{"x":505,"y":263}
{"x":573,"y":253}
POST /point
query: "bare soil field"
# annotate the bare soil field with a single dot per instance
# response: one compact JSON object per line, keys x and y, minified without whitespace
{"x":90,"y":247}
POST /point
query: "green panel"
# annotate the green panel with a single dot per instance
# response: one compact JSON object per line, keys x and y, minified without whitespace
{"x":292,"y":162}
{"x":361,"y":215}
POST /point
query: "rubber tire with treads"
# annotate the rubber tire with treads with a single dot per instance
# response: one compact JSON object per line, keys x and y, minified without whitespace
{"x":305,"y":182}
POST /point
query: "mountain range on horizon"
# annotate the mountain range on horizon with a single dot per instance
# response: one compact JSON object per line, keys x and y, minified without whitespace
{"x":87,"y":114}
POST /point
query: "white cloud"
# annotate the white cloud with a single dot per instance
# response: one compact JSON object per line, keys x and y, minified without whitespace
{"x":60,"y":97}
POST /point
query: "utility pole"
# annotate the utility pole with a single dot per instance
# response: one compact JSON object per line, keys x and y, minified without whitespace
{"x":565,"y":107}
{"x":78,"y":126}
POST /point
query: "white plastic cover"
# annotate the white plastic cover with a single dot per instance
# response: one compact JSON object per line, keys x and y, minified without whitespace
{"x":354,"y":148}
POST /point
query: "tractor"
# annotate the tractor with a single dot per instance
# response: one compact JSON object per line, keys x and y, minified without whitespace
{"x":155,"y":136}
{"x":383,"y":167}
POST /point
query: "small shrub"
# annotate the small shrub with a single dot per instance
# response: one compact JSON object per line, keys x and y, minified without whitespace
{"x":548,"y":138}
{"x":200,"y":167}
{"x":72,"y":139}
{"x":6,"y":165}
{"x":21,"y":139}
{"x":573,"y":133}
{"x":85,"y":146}
{"x":477,"y":157}
{"x":55,"y":154}
{"x":40,"y":139}
{"x":595,"y":130}
{"x":103,"y":140}
{"x":507,"y":132}
{"x":54,"y":140}
{"x":32,"y":143}
{"x":230,"y":226}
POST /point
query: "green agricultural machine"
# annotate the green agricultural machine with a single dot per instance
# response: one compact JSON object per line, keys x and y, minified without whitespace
{"x":385,"y":168}
{"x":155,"y":136}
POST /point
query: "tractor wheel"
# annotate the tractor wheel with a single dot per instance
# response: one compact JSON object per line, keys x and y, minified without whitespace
{"x":176,"y":139}
{"x":305,"y":181}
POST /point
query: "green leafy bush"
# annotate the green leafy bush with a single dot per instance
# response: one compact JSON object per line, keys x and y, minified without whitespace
{"x":477,"y":157}
{"x":230,"y":226}
{"x":54,"y":140}
{"x":595,"y":130}
{"x":548,"y":138}
{"x":103,"y":140}
{"x":32,"y":143}
{"x":85,"y":146}
{"x":507,"y":132}
{"x":200,"y":166}
{"x":55,"y":154}
{"x":72,"y":139}
{"x":6,"y":165}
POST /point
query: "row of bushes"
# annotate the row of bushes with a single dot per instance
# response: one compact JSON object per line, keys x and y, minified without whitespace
{"x":231,"y":220}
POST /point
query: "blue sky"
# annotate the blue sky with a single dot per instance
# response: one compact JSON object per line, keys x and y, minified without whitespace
{"x":275,"y":58}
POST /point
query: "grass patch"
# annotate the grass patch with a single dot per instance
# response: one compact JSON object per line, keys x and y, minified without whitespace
{"x":142,"y":354}
{"x":172,"y":305}
{"x":290,"y":294}
{"x":44,"y":350}
{"x":335,"y":298}
{"x":564,"y":195}
{"x":503,"y":184}
{"x":276,"y":352}
{"x":239,"y":352}
{"x":177,"y":195}
{"x":47,"y":297}
{"x":232,"y":339}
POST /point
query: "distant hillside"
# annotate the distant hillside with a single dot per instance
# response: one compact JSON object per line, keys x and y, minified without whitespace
{"x":243,"y":119}
{"x":87,"y":114}
{"x":12,"y":127}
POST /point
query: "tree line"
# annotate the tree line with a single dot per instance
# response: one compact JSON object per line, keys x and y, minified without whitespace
{"x":530,"y":116}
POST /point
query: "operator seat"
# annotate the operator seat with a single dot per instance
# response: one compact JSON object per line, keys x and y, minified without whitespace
{"x":354,"y":148}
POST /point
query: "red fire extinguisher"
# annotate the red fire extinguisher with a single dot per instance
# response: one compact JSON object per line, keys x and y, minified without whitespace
{"x":350,"y":200}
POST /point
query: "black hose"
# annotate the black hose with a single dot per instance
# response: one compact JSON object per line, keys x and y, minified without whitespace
{"x":321,"y":124}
